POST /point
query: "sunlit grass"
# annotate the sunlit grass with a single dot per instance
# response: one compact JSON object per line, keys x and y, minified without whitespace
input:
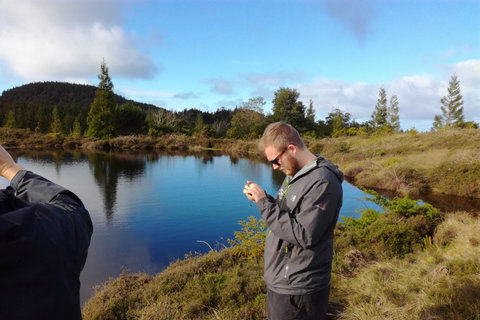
{"x":445,"y":162}
{"x":441,"y":282}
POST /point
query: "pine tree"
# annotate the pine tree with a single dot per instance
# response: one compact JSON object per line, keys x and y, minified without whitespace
{"x":11,"y":122}
{"x":101,"y":117}
{"x":393,"y":116}
{"x":310,"y":117}
{"x":77,"y":129}
{"x":452,"y":108}
{"x":56,"y":126}
{"x":379,"y":116}
{"x":199,"y":125}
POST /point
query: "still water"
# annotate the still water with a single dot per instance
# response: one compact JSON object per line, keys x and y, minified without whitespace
{"x":151,"y":209}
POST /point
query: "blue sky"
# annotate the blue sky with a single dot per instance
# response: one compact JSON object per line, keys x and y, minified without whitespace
{"x":209,"y":54}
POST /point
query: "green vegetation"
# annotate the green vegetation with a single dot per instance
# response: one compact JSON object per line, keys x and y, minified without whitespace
{"x":250,"y":241}
{"x":379,"y":115}
{"x":217,"y":285}
{"x":408,"y":262}
{"x":101,"y":118}
{"x":425,"y":268}
{"x":439,"y":282}
{"x":395,"y":234}
{"x":452,"y":108}
{"x":443,"y":162}
{"x":98,"y":112}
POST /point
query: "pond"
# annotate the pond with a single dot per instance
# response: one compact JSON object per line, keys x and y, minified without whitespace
{"x":149,"y":210}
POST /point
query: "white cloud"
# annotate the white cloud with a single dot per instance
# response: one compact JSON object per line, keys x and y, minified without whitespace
{"x":418,"y":95}
{"x":185,"y":95}
{"x":220,"y":85}
{"x":67,"y":40}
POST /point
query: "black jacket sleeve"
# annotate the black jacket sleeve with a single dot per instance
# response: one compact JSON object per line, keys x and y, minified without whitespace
{"x":45,"y":233}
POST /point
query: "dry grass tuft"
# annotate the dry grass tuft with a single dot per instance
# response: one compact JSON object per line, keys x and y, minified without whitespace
{"x":442,"y":282}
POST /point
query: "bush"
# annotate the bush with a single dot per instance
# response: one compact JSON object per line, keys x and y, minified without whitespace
{"x":400,"y":229}
{"x":250,"y":242}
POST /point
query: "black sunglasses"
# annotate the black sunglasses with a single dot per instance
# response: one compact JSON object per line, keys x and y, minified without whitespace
{"x":275,"y":161}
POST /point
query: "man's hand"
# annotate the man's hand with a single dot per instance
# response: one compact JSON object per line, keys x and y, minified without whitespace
{"x":253,"y":191}
{"x":8,"y":167}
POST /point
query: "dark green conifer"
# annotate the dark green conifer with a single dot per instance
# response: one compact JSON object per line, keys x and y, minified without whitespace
{"x":101,"y":117}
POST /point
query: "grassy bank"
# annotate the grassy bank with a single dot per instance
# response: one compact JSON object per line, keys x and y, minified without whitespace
{"x":411,"y":262}
{"x":440,"y":282}
{"x":25,"y":139}
{"x":445,"y":162}
{"x":218,"y":285}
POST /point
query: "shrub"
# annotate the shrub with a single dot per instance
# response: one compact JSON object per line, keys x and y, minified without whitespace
{"x":352,"y":131}
{"x":400,"y":229}
{"x":250,"y":241}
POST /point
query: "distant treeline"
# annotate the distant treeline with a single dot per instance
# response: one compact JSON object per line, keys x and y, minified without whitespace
{"x":32,"y":105}
{"x":63,"y":108}
{"x":56,"y":107}
{"x":77,"y":110}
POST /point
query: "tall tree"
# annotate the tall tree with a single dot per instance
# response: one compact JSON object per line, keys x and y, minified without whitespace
{"x":337,"y":122}
{"x":199,"y":125}
{"x":379,"y":116}
{"x":452,"y":108}
{"x":130,"y":119}
{"x":249,"y":120}
{"x":393,"y":116}
{"x":56,"y":126}
{"x":101,"y":117}
{"x":77,"y":129}
{"x":287,"y":108}
{"x":310,"y":124}
{"x":11,"y":122}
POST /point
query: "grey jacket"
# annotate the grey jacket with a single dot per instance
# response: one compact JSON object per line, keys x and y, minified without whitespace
{"x":301,"y":220}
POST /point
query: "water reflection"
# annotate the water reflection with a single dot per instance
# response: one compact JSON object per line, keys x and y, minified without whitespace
{"x":108,"y":168}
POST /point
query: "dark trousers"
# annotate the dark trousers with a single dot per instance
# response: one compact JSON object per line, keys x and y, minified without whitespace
{"x":291,"y":307}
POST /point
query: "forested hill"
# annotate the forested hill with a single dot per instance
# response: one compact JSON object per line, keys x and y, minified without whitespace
{"x":33,"y":103}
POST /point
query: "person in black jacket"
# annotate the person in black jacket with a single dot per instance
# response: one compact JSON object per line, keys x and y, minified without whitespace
{"x":45,"y":233}
{"x":301,"y":220}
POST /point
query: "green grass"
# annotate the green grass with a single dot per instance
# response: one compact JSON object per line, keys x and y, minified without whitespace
{"x":408,"y":262}
{"x":217,"y":285}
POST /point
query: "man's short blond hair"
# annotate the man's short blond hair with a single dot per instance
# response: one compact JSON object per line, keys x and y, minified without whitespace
{"x":280,"y":135}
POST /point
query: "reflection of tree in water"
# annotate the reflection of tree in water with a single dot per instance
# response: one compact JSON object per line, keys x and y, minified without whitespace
{"x":253,"y":171}
{"x":108,"y":168}
{"x":208,"y":156}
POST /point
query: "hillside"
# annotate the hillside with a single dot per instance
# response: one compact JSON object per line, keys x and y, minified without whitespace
{"x":33,"y":103}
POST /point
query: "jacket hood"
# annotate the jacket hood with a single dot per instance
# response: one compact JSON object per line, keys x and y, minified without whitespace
{"x":320,"y":161}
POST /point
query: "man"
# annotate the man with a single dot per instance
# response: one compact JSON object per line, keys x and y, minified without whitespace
{"x":300,"y":220}
{"x":44,"y":235}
